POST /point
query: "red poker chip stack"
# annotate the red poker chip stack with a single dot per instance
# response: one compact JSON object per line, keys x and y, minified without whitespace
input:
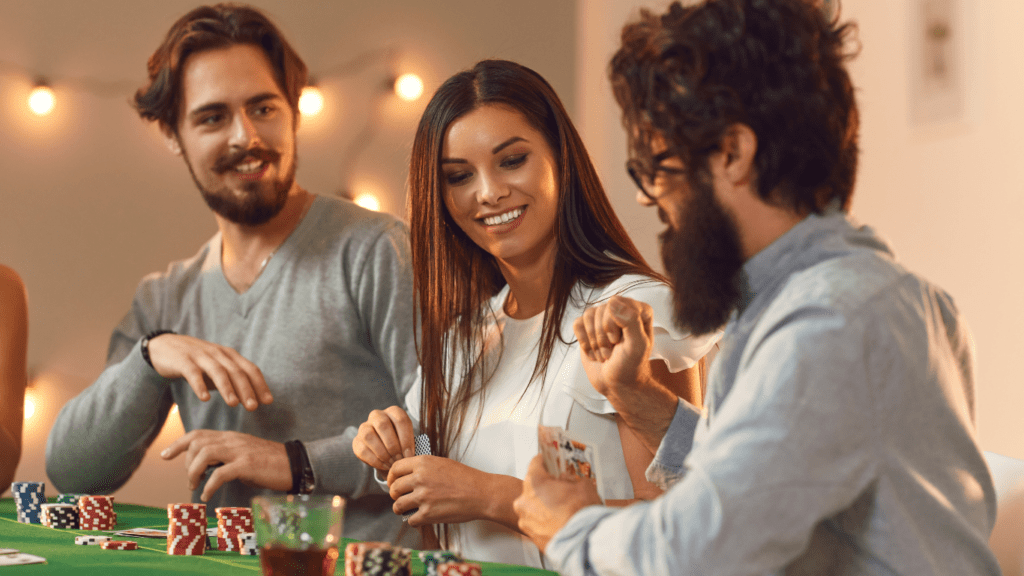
{"x":186,"y":530}
{"x":96,"y":513}
{"x":231,"y":522}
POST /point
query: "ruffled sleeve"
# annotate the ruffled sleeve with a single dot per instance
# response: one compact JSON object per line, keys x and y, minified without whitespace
{"x":678,"y":349}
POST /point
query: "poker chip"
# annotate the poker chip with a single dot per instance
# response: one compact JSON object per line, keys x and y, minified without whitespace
{"x":376,"y":559}
{"x":91,"y":540}
{"x":459,"y":569}
{"x":231,"y":522}
{"x":247,"y":544}
{"x":29,"y":498}
{"x":386,"y":562}
{"x":69,"y":498}
{"x":60,"y":516}
{"x":96,"y":513}
{"x":119,"y":545}
{"x":186,"y":529}
{"x":431,"y":558}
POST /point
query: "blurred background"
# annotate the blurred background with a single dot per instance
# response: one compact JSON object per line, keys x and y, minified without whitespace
{"x":91,"y":200}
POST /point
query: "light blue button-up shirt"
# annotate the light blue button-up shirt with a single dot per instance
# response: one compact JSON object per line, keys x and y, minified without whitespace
{"x":838,"y":436}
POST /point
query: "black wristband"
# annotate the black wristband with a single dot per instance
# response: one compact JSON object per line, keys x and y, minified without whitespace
{"x":302,"y":471}
{"x":144,"y":345}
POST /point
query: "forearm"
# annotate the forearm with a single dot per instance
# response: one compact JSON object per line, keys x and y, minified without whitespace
{"x":336,"y":468}
{"x":10,"y":447}
{"x":494,"y":499}
{"x":647,"y":408}
{"x":100,"y":436}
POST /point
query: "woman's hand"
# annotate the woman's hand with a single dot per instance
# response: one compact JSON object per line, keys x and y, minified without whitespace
{"x":446,"y":491}
{"x":385,"y":438}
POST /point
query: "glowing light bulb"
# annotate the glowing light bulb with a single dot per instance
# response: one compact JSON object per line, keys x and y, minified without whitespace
{"x":30,"y":407}
{"x":41,"y":100}
{"x":368,"y":201}
{"x":311,"y":101}
{"x":409,"y":87}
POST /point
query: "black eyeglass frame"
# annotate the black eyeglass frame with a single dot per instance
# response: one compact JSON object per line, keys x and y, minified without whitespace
{"x":637,"y":172}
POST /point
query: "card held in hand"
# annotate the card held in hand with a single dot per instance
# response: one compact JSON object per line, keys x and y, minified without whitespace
{"x":563,"y":455}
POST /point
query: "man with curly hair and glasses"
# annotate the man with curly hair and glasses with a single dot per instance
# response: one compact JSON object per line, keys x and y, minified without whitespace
{"x":839,"y":434}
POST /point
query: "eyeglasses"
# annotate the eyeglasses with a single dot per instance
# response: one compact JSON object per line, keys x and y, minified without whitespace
{"x":644,"y":178}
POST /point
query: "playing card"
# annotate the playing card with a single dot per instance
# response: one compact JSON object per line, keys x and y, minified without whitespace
{"x":19,"y":558}
{"x":563,"y":455}
{"x":422,"y":449}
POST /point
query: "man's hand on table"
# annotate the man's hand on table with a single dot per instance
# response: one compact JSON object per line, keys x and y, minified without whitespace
{"x":243,"y":457}
{"x":207,"y":366}
{"x":547,"y":503}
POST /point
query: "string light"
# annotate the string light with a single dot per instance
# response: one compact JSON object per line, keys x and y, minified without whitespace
{"x":368,"y":201}
{"x":30,"y":405}
{"x":41,"y":100}
{"x":409,"y":87}
{"x":311,"y":101}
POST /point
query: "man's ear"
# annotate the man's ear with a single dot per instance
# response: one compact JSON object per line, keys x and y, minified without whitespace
{"x":739,"y":146}
{"x":170,"y":138}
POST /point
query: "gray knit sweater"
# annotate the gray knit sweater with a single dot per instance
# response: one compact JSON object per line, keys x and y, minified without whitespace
{"x":328,"y":322}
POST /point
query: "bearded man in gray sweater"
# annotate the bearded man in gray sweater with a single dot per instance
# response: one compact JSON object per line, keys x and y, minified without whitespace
{"x":289,"y":326}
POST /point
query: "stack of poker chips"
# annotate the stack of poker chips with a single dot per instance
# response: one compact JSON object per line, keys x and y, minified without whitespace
{"x":69,"y":498}
{"x":431,"y":558}
{"x":247,"y":544}
{"x":29,"y":498}
{"x":63,"y":516}
{"x":186,"y":530}
{"x":459,"y":569}
{"x":232,"y":521}
{"x":386,"y":562}
{"x":96,"y":513}
{"x":376,"y":559}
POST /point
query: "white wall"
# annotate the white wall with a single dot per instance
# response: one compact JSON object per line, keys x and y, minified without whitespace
{"x":90,"y":200}
{"x":949,"y":196}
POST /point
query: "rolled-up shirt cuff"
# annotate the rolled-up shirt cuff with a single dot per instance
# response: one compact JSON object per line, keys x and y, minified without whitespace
{"x":569,"y":550}
{"x":667,"y":467}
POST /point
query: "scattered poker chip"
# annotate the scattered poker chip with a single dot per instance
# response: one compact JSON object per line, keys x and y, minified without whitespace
{"x":120,"y":545}
{"x":459,"y":569}
{"x":91,"y":540}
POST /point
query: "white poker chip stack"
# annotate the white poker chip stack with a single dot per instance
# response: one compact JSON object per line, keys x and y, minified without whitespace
{"x":63,"y":516}
{"x":186,"y":530}
{"x":96,"y":513}
{"x":247,"y":544}
{"x":29,"y":497}
{"x":91,"y":540}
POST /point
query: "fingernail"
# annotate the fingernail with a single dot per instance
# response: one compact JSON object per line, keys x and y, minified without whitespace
{"x":268,"y":398}
{"x":251,"y":404}
{"x":165,"y":452}
{"x":409,"y":452}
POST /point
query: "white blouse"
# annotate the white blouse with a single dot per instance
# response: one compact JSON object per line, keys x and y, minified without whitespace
{"x":505,"y":440}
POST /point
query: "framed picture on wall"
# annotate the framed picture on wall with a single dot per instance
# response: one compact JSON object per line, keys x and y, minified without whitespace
{"x":937,"y":86}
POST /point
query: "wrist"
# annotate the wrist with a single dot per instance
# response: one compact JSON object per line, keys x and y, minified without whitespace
{"x":144,"y":344}
{"x":303,"y":481}
{"x":647,"y":408}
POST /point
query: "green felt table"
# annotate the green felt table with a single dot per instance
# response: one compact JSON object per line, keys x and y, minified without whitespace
{"x":63,"y":556}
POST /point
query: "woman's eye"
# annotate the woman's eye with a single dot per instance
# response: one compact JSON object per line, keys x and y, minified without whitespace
{"x":514,"y":161}
{"x":456,"y":178}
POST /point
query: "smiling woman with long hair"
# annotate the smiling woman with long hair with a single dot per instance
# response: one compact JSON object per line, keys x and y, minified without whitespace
{"x":512,"y":238}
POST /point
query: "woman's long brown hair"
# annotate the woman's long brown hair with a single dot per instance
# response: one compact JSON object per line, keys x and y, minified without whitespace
{"x":453,"y":277}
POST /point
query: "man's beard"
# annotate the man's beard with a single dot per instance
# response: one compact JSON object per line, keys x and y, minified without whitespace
{"x":253,"y":208}
{"x":704,"y":261}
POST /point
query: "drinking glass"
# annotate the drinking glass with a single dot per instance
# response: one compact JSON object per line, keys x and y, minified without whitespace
{"x":298,"y":535}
